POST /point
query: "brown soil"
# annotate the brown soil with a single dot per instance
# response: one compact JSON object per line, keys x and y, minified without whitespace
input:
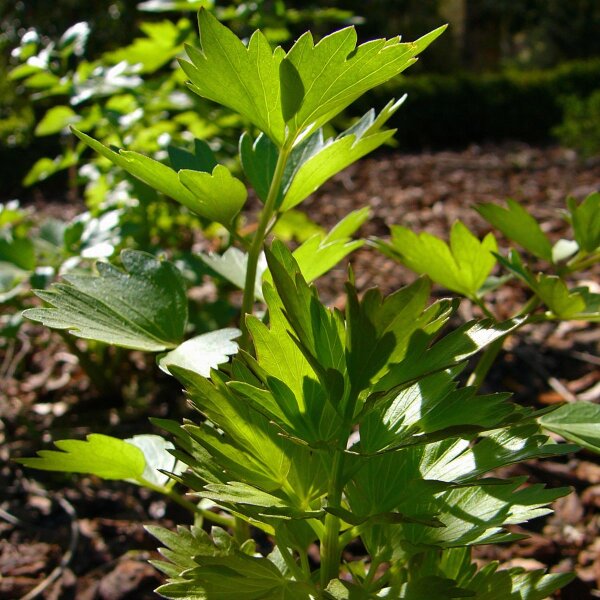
{"x":84,"y":539}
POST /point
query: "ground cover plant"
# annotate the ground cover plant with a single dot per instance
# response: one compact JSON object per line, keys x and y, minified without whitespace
{"x":325,"y":426}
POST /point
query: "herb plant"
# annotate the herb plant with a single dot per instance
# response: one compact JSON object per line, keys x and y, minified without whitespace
{"x":318,"y":428}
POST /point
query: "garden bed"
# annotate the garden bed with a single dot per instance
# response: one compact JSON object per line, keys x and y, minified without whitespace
{"x":90,"y":536}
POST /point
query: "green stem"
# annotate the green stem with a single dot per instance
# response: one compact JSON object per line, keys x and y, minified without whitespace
{"x":258,"y":242}
{"x":292,"y":564}
{"x":194,"y":509}
{"x":485,"y":363}
{"x":370,"y":578}
{"x":490,"y":354}
{"x":330,"y":547}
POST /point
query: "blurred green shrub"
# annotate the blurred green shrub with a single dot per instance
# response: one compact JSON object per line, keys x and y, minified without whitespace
{"x":580,"y":128}
{"x":458,"y":109}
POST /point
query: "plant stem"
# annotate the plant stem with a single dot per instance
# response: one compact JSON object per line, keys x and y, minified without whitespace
{"x":291,"y":563}
{"x":330,"y":547}
{"x":258,"y":242}
{"x":194,"y":509}
{"x":485,"y":363}
{"x":490,"y":354}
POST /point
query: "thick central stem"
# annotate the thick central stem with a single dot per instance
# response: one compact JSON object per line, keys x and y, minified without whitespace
{"x":258,"y":241}
{"x":330,"y":546}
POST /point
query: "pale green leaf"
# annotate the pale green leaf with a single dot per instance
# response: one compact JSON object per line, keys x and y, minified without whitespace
{"x":555,"y":294}
{"x":564,"y":249}
{"x":519,"y":226}
{"x":219,"y":195}
{"x":206,"y":198}
{"x":143,"y":307}
{"x":232,"y":265}
{"x":202,"y":353}
{"x":317,"y":160}
{"x":100,"y":455}
{"x":245,"y":79}
{"x":320,"y":80}
{"x":463,"y":266}
{"x":157,"y":457}
{"x":577,"y":422}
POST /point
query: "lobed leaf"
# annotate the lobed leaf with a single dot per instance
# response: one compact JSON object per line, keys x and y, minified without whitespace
{"x":319,"y":80}
{"x":463,"y":266}
{"x":577,"y":422}
{"x":245,"y":79}
{"x":218,"y":196}
{"x":518,"y":225}
{"x":100,"y":455}
{"x":107,"y":307}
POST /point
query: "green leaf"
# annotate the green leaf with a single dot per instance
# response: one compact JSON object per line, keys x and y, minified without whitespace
{"x":435,"y":403}
{"x":518,"y":225}
{"x":202,"y":353}
{"x":19,"y":252}
{"x":585,"y":219}
{"x":46,"y":167}
{"x":206,"y":194}
{"x":203,"y":158}
{"x":219,"y":196}
{"x":245,"y":79}
{"x":448,"y":352}
{"x":577,"y":422}
{"x":157,"y":458}
{"x":319,"y":80}
{"x":462,"y":267}
{"x":258,"y":161}
{"x":144,"y":307}
{"x":555,"y":294}
{"x":55,"y":120}
{"x":101,"y":455}
{"x":320,"y":160}
{"x":232,"y":265}
{"x":320,"y":253}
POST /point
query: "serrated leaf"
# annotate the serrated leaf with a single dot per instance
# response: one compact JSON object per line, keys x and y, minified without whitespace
{"x":463,"y":266}
{"x":519,"y":226}
{"x":245,"y":79}
{"x":320,"y":80}
{"x":555,"y":294}
{"x":320,"y":253}
{"x":585,"y":219}
{"x":107,"y":307}
{"x":321,"y":159}
{"x":219,"y":195}
{"x":205,"y":199}
{"x":577,"y":422}
{"x":450,"y":351}
{"x":202,"y":353}
{"x":101,"y":455}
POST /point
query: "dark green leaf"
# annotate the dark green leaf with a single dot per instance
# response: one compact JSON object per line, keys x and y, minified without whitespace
{"x":144,"y":307}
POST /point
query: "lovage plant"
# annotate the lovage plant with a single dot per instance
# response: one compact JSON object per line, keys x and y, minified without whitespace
{"x":319,"y":427}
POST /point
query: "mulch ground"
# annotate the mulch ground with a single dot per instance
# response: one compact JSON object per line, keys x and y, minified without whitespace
{"x":83,"y":539}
